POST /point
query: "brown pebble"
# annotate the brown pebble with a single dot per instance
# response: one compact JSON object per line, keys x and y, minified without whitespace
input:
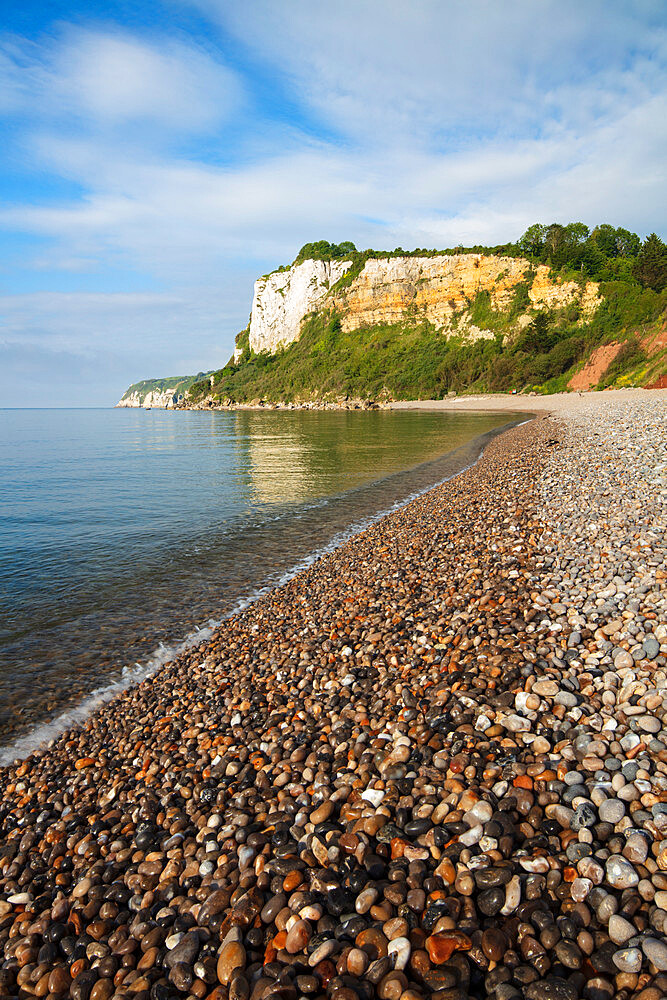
{"x":232,"y":957}
{"x":298,"y":937}
{"x":60,"y":980}
{"x":102,"y":990}
{"x":494,"y":943}
{"x":322,"y":813}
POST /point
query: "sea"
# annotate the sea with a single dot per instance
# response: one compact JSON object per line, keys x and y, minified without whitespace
{"x":127,"y":534}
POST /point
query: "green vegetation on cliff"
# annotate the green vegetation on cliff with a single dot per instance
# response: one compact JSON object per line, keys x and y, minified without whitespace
{"x":602,"y":253}
{"x":412,"y":360}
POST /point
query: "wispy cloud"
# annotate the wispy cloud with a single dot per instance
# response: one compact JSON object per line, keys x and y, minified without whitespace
{"x":441,"y":72}
{"x":99,"y":80}
{"x":118,"y":79}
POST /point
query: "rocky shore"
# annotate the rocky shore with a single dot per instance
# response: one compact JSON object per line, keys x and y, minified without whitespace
{"x":434,"y":764}
{"x":344,"y":403}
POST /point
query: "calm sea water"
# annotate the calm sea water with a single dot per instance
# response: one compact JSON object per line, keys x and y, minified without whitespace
{"x":121,"y":531}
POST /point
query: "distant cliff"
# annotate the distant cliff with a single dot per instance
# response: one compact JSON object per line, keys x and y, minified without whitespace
{"x":161,"y":393}
{"x":340,"y":324}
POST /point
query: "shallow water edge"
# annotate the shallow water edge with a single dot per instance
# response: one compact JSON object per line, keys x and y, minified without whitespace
{"x":75,"y":716}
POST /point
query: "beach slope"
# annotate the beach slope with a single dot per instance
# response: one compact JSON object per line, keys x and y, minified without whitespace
{"x":435,"y":763}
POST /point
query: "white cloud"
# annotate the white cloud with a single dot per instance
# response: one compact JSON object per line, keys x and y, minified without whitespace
{"x":20,"y":78}
{"x":423,"y":71}
{"x":88,"y":347}
{"x":437,"y":72}
{"x":117,"y":78}
{"x":105,"y":79}
{"x":189,"y":221}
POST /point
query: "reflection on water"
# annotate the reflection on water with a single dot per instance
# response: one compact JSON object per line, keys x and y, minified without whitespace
{"x":123,"y":529}
{"x":277,"y":462}
{"x":300,"y":456}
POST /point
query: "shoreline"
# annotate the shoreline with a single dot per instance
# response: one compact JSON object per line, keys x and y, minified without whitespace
{"x":395,"y":774}
{"x":74,"y":715}
{"x":555,"y":402}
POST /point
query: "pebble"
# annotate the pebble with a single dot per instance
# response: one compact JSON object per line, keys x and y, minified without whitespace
{"x":648,"y":723}
{"x":612,"y":811}
{"x":623,"y":660}
{"x":636,"y":848}
{"x":651,"y":647}
{"x":620,"y":873}
{"x":550,"y":989}
{"x":656,"y":952}
{"x":620,"y":929}
{"x":400,"y":948}
{"x":628,"y":959}
{"x":232,"y":957}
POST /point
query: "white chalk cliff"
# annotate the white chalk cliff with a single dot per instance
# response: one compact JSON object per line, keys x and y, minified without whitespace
{"x":160,"y":393}
{"x":158,"y":399}
{"x":440,"y":289}
{"x":282,"y":299}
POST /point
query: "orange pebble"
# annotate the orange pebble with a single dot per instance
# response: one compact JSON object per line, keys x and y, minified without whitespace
{"x":279,"y":940}
{"x":442,"y":946}
{"x":84,"y":762}
{"x":76,"y":968}
{"x":398,"y":846}
{"x":291,"y":881}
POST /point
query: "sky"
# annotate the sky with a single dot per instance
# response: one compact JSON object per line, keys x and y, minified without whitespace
{"x":159,"y":155}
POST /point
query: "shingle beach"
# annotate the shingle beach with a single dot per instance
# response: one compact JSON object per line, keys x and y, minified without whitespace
{"x":432,"y":765}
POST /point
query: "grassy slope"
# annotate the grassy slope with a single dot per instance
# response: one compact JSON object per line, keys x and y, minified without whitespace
{"x":411,"y":360}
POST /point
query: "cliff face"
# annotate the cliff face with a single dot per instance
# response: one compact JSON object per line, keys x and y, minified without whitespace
{"x":164,"y":400}
{"x":547,"y":294}
{"x":375,"y":326}
{"x":282,"y":299}
{"x":392,"y":290}
{"x":159,"y":393}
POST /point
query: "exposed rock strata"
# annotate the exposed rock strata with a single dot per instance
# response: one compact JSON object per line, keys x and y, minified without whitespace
{"x":393,"y":290}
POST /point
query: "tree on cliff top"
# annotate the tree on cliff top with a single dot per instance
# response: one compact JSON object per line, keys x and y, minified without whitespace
{"x":323,"y":250}
{"x":615,"y":242}
{"x":574,"y":246}
{"x":532,"y":241}
{"x":651,"y":266}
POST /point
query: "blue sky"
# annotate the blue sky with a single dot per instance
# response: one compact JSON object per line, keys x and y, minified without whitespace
{"x":157,"y":157}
